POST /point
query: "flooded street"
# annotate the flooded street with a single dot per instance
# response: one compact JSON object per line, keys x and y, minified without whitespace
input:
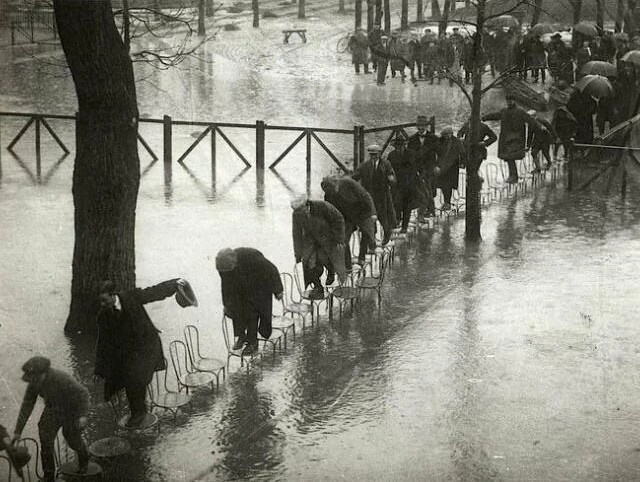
{"x":516,"y":360}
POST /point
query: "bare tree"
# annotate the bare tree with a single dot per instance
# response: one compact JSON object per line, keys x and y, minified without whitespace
{"x":537,"y":10}
{"x":404,"y":16}
{"x":201,"y":12}
{"x":358,"y":14}
{"x":620,"y":12}
{"x":420,"y":11}
{"x":577,"y":10}
{"x":301,"y":9}
{"x":378,"y":5}
{"x":435,"y":10}
{"x":444,"y":22}
{"x":600,"y":15}
{"x":387,"y":16}
{"x":369,"y":15}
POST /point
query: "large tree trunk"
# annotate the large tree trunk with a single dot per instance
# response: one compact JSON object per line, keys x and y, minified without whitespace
{"x":620,"y":11}
{"x":537,"y":10}
{"x":126,"y":25}
{"x":419,"y":11}
{"x":378,"y":5}
{"x":404,"y":16}
{"x":600,"y":15}
{"x":387,"y":16}
{"x":256,"y":13}
{"x":444,"y":21}
{"x":577,"y":10}
{"x":301,"y":10}
{"x":106,"y":174}
{"x":369,"y":15}
{"x":473,"y":216}
{"x":358,"y":14}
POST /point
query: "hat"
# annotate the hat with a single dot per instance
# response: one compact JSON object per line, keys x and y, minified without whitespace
{"x":447,"y":130}
{"x":299,"y":201}
{"x":226,"y":260}
{"x":185,"y":295}
{"x":35,"y":366}
{"x":374,"y":148}
{"x":421,"y":120}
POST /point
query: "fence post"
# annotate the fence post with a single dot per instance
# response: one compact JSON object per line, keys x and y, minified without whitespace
{"x":432,"y":121}
{"x":623,"y":194}
{"x":213,"y":129}
{"x":569,"y":156}
{"x":260,"y":139}
{"x":356,"y":147}
{"x":38,"y":149}
{"x":308,"y":162}
{"x":167,"y":150}
{"x":361,"y":157}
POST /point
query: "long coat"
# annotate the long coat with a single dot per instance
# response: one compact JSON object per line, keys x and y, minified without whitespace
{"x":249,"y":288}
{"x":409,"y":180}
{"x":128,"y":349}
{"x":350,"y":198}
{"x":450,"y":152}
{"x":513,"y":128}
{"x":359,"y":45}
{"x":487,"y":137}
{"x":378,"y":182}
{"x":318,"y":229}
{"x":582,"y":106}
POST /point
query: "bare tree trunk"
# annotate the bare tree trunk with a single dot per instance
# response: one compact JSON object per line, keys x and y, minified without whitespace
{"x":537,"y":10}
{"x":210,"y":8}
{"x":201,"y":11}
{"x":358,"y":8}
{"x":473,"y":216}
{"x":435,"y":10}
{"x":577,"y":10}
{"x":404,"y":17}
{"x":256,"y":13}
{"x":378,"y":4}
{"x":600,"y":15}
{"x":126,"y":25}
{"x":629,"y":24}
{"x":106,"y":172}
{"x":369,"y":15}
{"x":301,"y":10}
{"x":445,"y":17}
{"x":387,"y":16}
{"x":341,"y":6}
{"x":419,"y":11}
{"x":620,"y":11}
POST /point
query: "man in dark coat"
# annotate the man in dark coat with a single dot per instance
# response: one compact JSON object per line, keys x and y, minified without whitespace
{"x":249,"y":282}
{"x":318,"y":240}
{"x":583,"y":107}
{"x":513,"y":134}
{"x":478,"y":153}
{"x":129,"y":349}
{"x":375,"y":44}
{"x":377,"y":177}
{"x":410,"y":190}
{"x":358,"y":211}
{"x":540,"y":141}
{"x":425,"y":146}
{"x":565,"y":125}
{"x":450,"y":152}
{"x":429,"y":60}
{"x":359,"y":45}
{"x":66,"y":403}
{"x":537,"y":59}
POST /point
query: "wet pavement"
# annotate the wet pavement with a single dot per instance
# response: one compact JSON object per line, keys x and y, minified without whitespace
{"x":515,"y":360}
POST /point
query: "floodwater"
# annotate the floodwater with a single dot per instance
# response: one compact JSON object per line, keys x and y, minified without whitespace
{"x":514,"y":360}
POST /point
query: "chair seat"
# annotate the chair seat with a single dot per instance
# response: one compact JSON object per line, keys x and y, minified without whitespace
{"x":196,"y":379}
{"x":70,"y":469}
{"x":369,"y":283}
{"x":275,"y":336}
{"x":150,"y":420}
{"x":209,"y":365}
{"x":282,"y":323}
{"x":172,"y":400}
{"x":109,"y":447}
{"x":299,"y":308}
{"x":346,"y":292}
{"x":311,"y":295}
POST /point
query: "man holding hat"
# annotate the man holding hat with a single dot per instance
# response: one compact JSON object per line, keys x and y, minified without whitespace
{"x":66,"y":403}
{"x":425,"y":146}
{"x":377,"y":177}
{"x":129,"y":349}
{"x":249,"y":281}
{"x":318,"y":240}
{"x":513,"y":134}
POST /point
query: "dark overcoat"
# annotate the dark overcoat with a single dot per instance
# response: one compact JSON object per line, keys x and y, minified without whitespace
{"x":249,"y":288}
{"x":409,"y":180}
{"x":350,"y":198}
{"x":359,"y":45}
{"x":513,"y":131}
{"x":128,"y":349}
{"x":582,"y":106}
{"x":450,"y":152}
{"x":379,"y":182}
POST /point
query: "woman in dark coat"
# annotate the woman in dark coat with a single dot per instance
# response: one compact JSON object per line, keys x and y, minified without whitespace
{"x":129,"y":350}
{"x":249,"y":281}
{"x":450,"y":152}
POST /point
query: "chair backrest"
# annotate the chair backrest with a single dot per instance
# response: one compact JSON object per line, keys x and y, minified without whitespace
{"x":288,"y":294}
{"x":227,"y":331}
{"x":298,"y":276}
{"x":158,"y":383}
{"x":385,"y":259}
{"x":501,"y":166}
{"x":179,"y":357}
{"x":492,"y":174}
{"x":5,"y":468}
{"x":192,"y":339}
{"x":460,"y":193}
{"x":33,"y":470}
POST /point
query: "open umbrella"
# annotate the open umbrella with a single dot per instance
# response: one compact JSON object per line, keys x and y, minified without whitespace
{"x":622,"y":36}
{"x":586,"y":29}
{"x":633,"y":57}
{"x":504,"y":21}
{"x":541,"y":29}
{"x":595,"y":85}
{"x":598,"y":67}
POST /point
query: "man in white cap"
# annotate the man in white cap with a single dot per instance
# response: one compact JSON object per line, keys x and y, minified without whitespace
{"x":377,"y":176}
{"x":318,"y":241}
{"x":249,"y":283}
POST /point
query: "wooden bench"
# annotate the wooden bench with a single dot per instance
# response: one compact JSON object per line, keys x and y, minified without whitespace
{"x":302,"y":33}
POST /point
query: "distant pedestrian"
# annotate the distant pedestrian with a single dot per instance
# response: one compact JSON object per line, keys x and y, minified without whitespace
{"x":249,"y":281}
{"x":66,"y":404}
{"x":359,"y":46}
{"x":513,"y":134}
{"x":430,"y":61}
{"x":375,"y":45}
{"x":540,"y":141}
{"x":377,"y":177}
{"x":383,"y":53}
{"x":318,"y":241}
{"x":450,"y":153}
{"x":129,"y":350}
{"x":358,"y":211}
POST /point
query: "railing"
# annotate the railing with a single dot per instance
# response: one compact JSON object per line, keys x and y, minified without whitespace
{"x":218,"y":131}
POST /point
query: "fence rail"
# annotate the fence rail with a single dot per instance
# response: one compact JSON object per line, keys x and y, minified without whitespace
{"x":218,"y":131}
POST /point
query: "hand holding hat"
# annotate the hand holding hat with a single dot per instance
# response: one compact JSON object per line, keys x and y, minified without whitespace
{"x":184,"y":294}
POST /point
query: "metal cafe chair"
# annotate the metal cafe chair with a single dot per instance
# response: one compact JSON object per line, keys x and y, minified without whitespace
{"x":345,"y":293}
{"x":199,"y":362}
{"x":494,"y":179}
{"x":67,"y":464}
{"x":275,"y":340}
{"x":121,"y":415}
{"x":308,"y":295}
{"x":294,"y":305}
{"x":458,"y":198}
{"x":5,"y":468}
{"x":31,"y":472}
{"x":186,"y":375}
{"x":486,"y":192}
{"x":227,"y":333}
{"x":162,"y":396}
{"x":375,"y":279}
